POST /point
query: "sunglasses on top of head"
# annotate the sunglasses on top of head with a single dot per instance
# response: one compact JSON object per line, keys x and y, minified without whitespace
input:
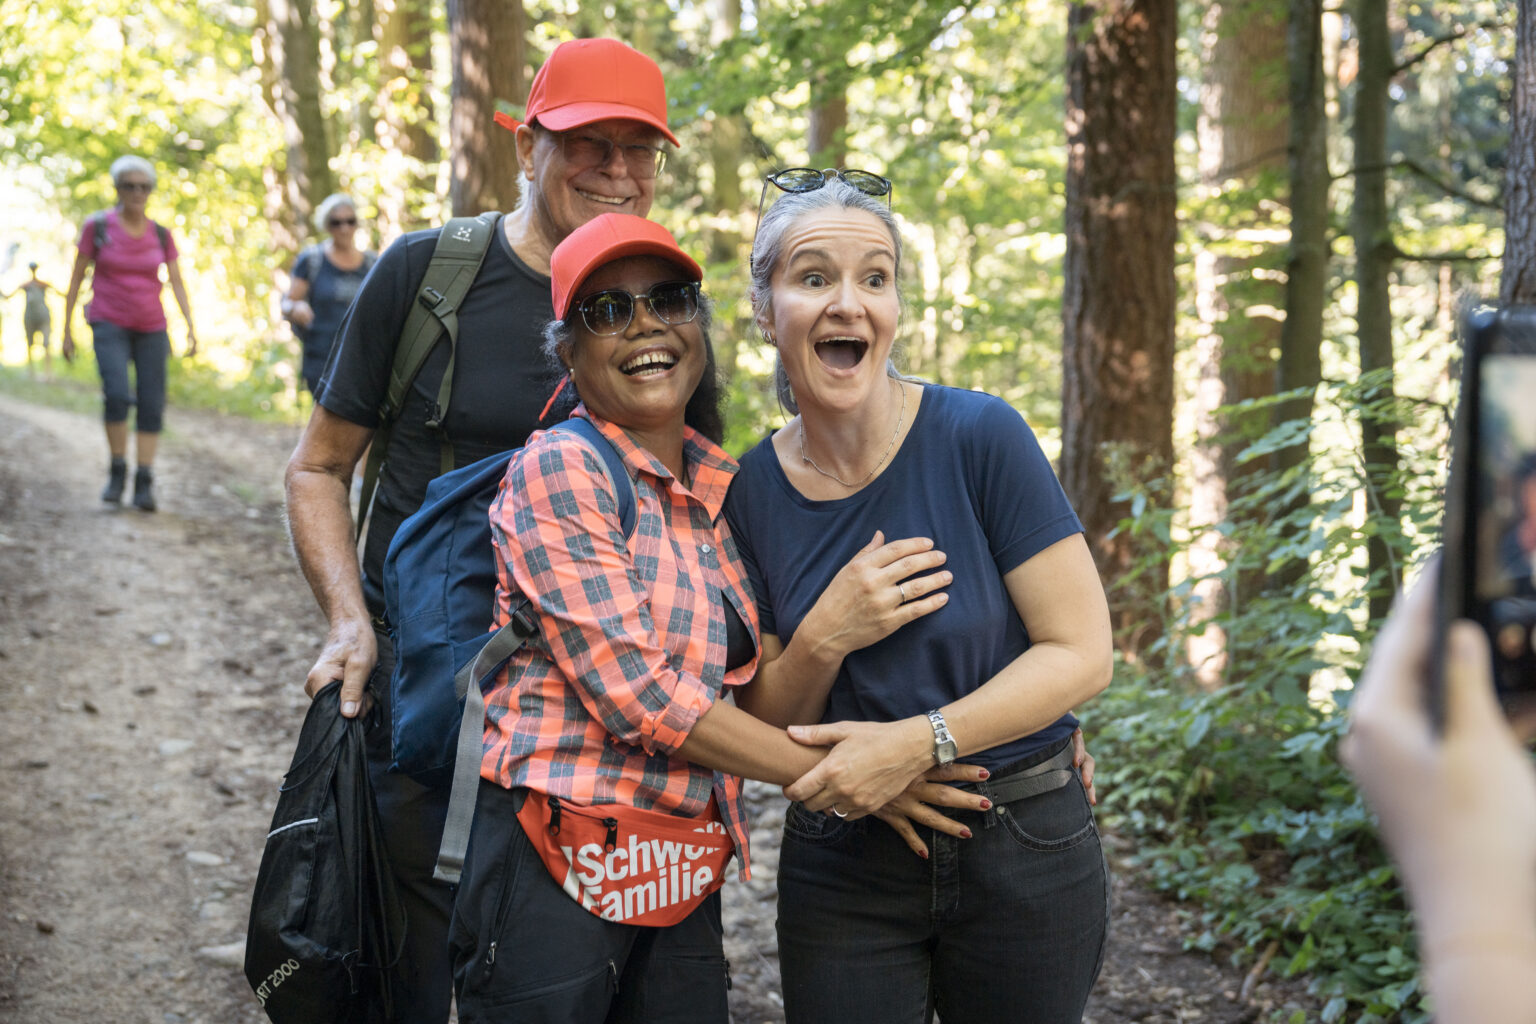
{"x":610,"y":312}
{"x":809,"y":179}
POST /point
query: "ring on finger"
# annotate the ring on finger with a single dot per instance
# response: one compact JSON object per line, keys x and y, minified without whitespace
{"x":901,"y":588}
{"x":840,"y":814}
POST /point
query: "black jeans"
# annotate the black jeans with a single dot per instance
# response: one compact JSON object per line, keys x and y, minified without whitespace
{"x":412,"y":816}
{"x":526,"y":953}
{"x":1006,"y":926}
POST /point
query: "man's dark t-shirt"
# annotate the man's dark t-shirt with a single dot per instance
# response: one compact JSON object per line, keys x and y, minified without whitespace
{"x":501,"y":379}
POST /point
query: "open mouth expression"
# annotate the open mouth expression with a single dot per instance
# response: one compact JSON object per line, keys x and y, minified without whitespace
{"x":841,"y":353}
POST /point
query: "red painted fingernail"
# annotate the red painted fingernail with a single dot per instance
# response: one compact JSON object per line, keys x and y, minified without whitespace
{"x":986,"y":805}
{"x":965,"y":834}
{"x":924,"y":855}
{"x":985,"y":774}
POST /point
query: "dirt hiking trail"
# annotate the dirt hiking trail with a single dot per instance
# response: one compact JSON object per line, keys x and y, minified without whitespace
{"x":151,"y":690}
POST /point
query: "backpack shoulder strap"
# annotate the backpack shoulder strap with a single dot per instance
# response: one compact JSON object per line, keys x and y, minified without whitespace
{"x":99,"y":234}
{"x":304,"y":260}
{"x":502,"y":645}
{"x":613,"y":462}
{"x":98,"y":230}
{"x":461,"y":248}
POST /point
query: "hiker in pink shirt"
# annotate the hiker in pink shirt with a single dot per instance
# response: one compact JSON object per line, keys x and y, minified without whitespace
{"x":128,"y":322}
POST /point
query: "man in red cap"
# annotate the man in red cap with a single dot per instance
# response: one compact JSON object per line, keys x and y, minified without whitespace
{"x":596,"y":122}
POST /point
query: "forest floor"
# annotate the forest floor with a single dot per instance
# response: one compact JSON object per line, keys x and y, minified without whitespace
{"x":151,"y":671}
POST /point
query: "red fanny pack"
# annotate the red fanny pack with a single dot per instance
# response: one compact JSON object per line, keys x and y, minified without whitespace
{"x":625,"y":864}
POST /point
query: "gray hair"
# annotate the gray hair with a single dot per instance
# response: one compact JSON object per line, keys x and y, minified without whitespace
{"x":328,"y":206}
{"x":128,"y":164}
{"x":768,"y":252}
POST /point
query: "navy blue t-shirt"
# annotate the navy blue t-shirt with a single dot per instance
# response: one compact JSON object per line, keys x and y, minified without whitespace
{"x":331,"y":291}
{"x":501,"y":379}
{"x":969,"y":474}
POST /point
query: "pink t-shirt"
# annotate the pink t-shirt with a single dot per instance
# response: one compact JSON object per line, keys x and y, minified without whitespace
{"x":125,"y":285}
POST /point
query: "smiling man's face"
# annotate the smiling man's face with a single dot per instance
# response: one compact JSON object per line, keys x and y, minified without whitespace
{"x":564,"y":195}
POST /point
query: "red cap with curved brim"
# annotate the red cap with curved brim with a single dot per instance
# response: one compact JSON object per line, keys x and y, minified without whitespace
{"x":587,"y":80}
{"x":602,"y":240}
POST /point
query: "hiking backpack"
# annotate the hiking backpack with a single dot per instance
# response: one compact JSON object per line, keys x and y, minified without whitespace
{"x":440,"y":599}
{"x":461,"y":247}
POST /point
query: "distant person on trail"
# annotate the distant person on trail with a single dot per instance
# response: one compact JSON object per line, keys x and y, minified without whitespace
{"x":35,"y":318}
{"x":1457,"y":811}
{"x":596,"y":122}
{"x":128,"y":322}
{"x":326,"y":277}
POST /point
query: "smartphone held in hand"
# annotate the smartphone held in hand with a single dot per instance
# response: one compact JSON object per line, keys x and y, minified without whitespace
{"x":1489,"y":569}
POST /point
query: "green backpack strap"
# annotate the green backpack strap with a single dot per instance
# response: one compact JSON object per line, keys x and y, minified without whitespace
{"x":461,"y":249}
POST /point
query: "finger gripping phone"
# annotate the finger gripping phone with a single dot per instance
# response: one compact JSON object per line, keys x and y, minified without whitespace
{"x":1489,"y":569}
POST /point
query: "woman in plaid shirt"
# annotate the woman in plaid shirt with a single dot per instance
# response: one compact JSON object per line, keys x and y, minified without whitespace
{"x":610,"y":796}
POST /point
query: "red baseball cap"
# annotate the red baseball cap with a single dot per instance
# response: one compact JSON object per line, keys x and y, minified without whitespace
{"x":587,"y":80}
{"x":602,"y":240}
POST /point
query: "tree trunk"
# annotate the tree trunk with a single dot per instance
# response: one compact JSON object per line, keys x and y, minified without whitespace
{"x":1518,"y":280}
{"x":1306,"y":263}
{"x":1242,"y":135}
{"x":727,"y":152}
{"x":408,"y":126}
{"x":489,"y":56}
{"x":355,"y":33}
{"x":826,"y":124}
{"x":1372,"y":231}
{"x":1118,"y":299}
{"x":293,"y":39}
{"x":279,"y":212}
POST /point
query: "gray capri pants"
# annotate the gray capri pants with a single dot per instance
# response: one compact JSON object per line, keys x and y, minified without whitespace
{"x":148,"y":350}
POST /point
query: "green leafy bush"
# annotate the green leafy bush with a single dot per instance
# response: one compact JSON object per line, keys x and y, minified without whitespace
{"x":1233,"y":795}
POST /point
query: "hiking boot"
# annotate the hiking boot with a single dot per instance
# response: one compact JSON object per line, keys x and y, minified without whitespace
{"x":117,"y":476}
{"x":144,"y":489}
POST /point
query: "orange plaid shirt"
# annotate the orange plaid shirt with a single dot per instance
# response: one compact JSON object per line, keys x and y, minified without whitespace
{"x":631,"y":647}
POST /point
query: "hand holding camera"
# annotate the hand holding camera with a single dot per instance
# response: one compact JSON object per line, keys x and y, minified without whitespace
{"x":1457,"y":811}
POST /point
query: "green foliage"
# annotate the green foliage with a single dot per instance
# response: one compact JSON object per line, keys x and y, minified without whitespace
{"x":263,"y":393}
{"x":960,"y":107}
{"x":1234,"y":795}
{"x":172,"y":82}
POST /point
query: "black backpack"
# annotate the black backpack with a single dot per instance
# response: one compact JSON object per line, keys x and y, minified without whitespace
{"x":327,"y":925}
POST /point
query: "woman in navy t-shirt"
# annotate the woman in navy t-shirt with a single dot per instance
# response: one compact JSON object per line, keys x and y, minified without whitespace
{"x":1012,"y":634}
{"x":326,"y":278}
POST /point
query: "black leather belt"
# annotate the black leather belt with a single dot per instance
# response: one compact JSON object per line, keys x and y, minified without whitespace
{"x":1044,"y":777}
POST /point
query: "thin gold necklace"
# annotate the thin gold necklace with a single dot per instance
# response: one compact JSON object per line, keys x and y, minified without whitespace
{"x":901,"y":418}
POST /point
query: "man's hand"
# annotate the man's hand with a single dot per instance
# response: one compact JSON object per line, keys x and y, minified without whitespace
{"x":349,"y":654}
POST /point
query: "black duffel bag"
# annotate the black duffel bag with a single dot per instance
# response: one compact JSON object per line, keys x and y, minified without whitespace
{"x":327,"y":925}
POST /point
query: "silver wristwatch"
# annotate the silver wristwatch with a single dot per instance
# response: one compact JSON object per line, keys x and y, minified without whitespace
{"x":944,"y":749}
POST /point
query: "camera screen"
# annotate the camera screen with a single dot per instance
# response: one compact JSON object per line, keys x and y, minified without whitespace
{"x":1505,"y":588}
